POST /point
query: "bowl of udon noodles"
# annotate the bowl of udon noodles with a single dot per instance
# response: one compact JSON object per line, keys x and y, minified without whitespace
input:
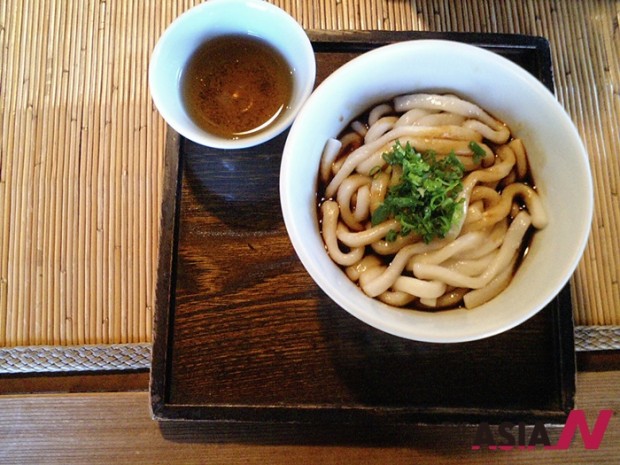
{"x":436,"y":191}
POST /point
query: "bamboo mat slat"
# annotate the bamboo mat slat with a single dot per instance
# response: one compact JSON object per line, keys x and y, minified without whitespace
{"x":81,"y":148}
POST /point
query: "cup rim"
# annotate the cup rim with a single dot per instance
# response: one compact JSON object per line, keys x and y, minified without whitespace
{"x":304,"y":78}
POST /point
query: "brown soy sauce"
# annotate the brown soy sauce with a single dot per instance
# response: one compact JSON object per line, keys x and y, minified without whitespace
{"x":234,"y":86}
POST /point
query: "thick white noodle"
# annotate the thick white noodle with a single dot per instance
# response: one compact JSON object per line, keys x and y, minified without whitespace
{"x":394,"y":298}
{"x":330,"y":153}
{"x":358,"y":156}
{"x":521,"y":158}
{"x":511,"y":244}
{"x":474,"y":212}
{"x":495,"y":239}
{"x":378,"y":190}
{"x":411,"y":117}
{"x":348,"y":188}
{"x":383,"y":247}
{"x":419,"y":287}
{"x":480,"y":296}
{"x":488,"y":196}
{"x":367,"y":236}
{"x":499,"y":136}
{"x":359,"y":127}
{"x":464,"y":243}
{"x":471,"y":266}
{"x":330,"y":213}
{"x":488,"y":175}
{"x":385,"y":280}
{"x":378,"y":112}
{"x":379,"y":128}
{"x":441,"y":119}
{"x":362,"y":204}
{"x":453,"y":104}
{"x":503,"y":208}
{"x":369,"y":261}
{"x":450,"y":299}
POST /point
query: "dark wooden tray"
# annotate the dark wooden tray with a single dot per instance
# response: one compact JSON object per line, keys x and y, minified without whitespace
{"x":243,"y":334}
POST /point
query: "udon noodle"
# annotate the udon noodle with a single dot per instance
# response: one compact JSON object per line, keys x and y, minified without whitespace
{"x":497,"y":205}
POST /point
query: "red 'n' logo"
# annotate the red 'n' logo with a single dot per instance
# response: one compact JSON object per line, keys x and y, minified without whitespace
{"x":577,"y":419}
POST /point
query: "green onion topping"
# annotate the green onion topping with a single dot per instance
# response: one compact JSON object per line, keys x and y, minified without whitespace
{"x":425,"y":200}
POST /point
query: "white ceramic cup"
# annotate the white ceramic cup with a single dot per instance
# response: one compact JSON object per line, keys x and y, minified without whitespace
{"x":215,"y":18}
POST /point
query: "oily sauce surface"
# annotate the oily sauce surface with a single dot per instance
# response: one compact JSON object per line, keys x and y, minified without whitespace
{"x":235,"y":86}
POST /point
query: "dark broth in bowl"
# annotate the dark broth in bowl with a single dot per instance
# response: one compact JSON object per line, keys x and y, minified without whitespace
{"x":234,"y":86}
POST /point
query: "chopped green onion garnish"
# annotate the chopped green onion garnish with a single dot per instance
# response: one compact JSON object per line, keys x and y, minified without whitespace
{"x":425,"y":199}
{"x":479,"y":152}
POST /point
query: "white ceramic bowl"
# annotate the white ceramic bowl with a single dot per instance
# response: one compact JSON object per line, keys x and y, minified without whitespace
{"x":558,"y":160}
{"x":222,"y":17}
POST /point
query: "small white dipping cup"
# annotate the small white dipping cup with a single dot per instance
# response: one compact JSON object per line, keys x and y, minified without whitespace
{"x":214,"y":18}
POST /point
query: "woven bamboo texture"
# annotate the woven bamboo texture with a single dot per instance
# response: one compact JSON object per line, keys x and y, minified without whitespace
{"x":81,"y":149}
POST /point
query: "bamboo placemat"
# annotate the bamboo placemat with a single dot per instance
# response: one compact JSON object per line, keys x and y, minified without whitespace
{"x":81,"y":149}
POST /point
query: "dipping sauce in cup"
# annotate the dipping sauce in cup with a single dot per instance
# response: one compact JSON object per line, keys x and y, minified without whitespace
{"x":232,"y":73}
{"x":235,"y":86}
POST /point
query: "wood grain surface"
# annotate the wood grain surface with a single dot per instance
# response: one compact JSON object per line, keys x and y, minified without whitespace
{"x":100,"y":429}
{"x":242,"y":331}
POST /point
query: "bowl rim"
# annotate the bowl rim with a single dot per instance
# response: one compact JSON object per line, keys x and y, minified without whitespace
{"x":310,"y":263}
